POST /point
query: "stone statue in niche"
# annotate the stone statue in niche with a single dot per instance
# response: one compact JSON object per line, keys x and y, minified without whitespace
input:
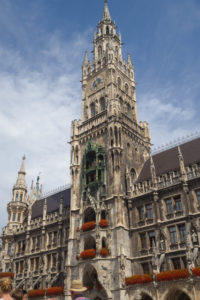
{"x":194,"y":237}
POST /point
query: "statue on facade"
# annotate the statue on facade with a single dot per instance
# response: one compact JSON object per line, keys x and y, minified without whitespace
{"x":157,"y":259}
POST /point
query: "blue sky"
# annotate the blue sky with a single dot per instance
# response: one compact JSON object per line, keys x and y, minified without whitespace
{"x":42,"y":44}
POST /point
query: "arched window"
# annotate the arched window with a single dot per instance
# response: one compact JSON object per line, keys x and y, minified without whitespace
{"x":116,"y":51}
{"x":102,"y":104}
{"x":89,"y":215}
{"x":126,"y":88}
{"x":103,"y":243}
{"x":92,"y":109}
{"x":16,"y":197}
{"x":119,"y":82}
{"x":116,"y":137}
{"x":107,"y":30}
{"x":133,"y":175}
{"x":89,"y":243}
{"x":21,"y":197}
{"x":100,"y":52}
{"x":103,"y":215}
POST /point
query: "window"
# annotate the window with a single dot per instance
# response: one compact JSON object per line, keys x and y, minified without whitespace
{"x":14,"y":217}
{"x":141,"y":213}
{"x":9,"y":248}
{"x":21,"y":266}
{"x":145,"y":267}
{"x":16,"y":197}
{"x":100,"y":51}
{"x":21,"y":197}
{"x":169,"y":206}
{"x":107,"y":29}
{"x":23,"y":245}
{"x":50,"y":238}
{"x":48,"y":261}
{"x":152,"y":238}
{"x":18,"y":217}
{"x":177,"y":263}
{"x":143,"y":240}
{"x":55,"y":237}
{"x":33,"y":242}
{"x":178,"y":203}
{"x":126,"y":88}
{"x":198,"y":197}
{"x":17,"y":267}
{"x":102,"y":104}
{"x":54,"y":259}
{"x":38,"y":242}
{"x":149,"y":211}
{"x":7,"y":267}
{"x":92,"y":109}
{"x":182,"y":232}
{"x":119,"y":82}
{"x":173,"y":235}
{"x":37,"y":263}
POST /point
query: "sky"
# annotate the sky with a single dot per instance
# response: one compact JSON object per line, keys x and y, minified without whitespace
{"x":42,"y":45}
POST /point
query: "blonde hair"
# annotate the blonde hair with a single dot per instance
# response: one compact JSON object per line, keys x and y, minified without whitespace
{"x":5,"y":285}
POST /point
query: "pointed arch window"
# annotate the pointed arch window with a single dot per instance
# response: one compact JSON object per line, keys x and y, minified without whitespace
{"x":92,"y":109}
{"x":21,"y":197}
{"x":14,"y":217}
{"x":102,"y":104}
{"x":119,"y":82}
{"x":16,"y":197}
{"x":107,"y":30}
{"x":100,"y":52}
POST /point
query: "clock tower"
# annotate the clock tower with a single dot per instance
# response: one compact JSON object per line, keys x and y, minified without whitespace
{"x":108,"y":149}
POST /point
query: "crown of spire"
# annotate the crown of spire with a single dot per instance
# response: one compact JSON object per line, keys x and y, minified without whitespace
{"x":106,"y":13}
{"x":21,"y":181}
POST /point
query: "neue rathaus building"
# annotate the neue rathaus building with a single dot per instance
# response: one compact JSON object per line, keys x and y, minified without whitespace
{"x":126,"y":212}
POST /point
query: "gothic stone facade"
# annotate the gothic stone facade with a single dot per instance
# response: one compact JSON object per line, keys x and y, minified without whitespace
{"x":126,"y":212}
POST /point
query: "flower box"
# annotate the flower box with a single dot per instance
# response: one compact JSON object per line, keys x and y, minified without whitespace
{"x":36,"y":293}
{"x":103,"y":223}
{"x":7,"y":274}
{"x":104,"y":252}
{"x":196,"y":271}
{"x":88,"y":226}
{"x":137,"y":279}
{"x":172,"y":275}
{"x":57,"y":290}
{"x":88,"y":254}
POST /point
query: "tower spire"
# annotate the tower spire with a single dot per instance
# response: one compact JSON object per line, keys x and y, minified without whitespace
{"x":21,"y":181}
{"x":106,"y":13}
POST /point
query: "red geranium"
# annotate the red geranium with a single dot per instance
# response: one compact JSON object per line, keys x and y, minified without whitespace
{"x":36,"y":293}
{"x":104,"y":252}
{"x":57,"y":290}
{"x":90,"y":253}
{"x":172,"y":275}
{"x":143,"y":278}
{"x":103,"y":223}
{"x":7,"y":274}
{"x":196,"y":271}
{"x":88,"y":226}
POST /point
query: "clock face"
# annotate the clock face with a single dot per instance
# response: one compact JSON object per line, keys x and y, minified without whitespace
{"x":96,"y":82}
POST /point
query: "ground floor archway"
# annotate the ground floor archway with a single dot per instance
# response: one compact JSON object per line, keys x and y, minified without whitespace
{"x":177,"y":294}
{"x":90,"y":280}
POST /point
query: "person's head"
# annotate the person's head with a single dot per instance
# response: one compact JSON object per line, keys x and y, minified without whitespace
{"x":25,"y":295}
{"x":5,"y":285}
{"x":77,"y":288}
{"x":17,"y":294}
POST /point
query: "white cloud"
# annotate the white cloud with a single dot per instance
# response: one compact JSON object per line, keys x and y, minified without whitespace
{"x":38,"y":102}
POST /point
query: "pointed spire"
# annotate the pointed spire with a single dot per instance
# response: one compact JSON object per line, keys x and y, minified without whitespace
{"x":106,"y":13}
{"x":21,"y":182}
{"x":86,"y":61}
{"x":119,"y":36}
{"x":129,"y":59}
{"x":153,"y":172}
{"x":181,"y":164}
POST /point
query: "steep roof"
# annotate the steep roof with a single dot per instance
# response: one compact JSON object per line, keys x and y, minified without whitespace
{"x":167,"y":160}
{"x":52,"y":203}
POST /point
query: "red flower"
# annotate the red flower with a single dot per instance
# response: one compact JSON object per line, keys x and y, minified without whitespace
{"x":7,"y":274}
{"x":88,"y":226}
{"x":104,"y":252}
{"x":36,"y":293}
{"x":172,"y":275}
{"x":77,"y":257}
{"x":103,"y":223}
{"x":90,"y":253}
{"x":57,"y":290}
{"x":196,"y":271}
{"x":143,"y":278}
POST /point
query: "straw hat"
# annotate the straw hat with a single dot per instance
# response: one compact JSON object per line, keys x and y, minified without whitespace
{"x":77,"y":286}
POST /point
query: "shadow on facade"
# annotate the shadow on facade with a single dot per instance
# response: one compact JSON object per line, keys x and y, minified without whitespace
{"x":90,"y":280}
